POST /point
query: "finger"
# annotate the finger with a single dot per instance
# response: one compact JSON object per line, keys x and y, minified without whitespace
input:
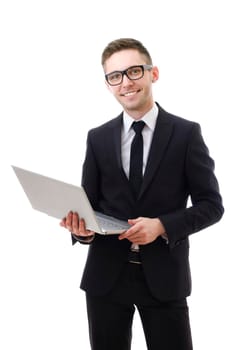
{"x":69,"y":221}
{"x":75,"y":223}
{"x":63,"y":222}
{"x":82,"y":227}
{"x":138,"y":239}
{"x":83,"y":230}
{"x":129,"y":234}
{"x":134,"y":221}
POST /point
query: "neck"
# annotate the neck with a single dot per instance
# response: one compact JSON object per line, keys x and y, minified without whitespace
{"x":139,"y":113}
{"x":141,"y":110}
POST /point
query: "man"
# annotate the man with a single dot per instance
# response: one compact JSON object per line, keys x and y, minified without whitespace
{"x":148,"y":265}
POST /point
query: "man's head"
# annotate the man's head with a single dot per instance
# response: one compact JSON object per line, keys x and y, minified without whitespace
{"x":129,"y":75}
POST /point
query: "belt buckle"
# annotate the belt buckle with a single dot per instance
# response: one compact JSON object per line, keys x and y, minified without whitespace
{"x":134,"y":257}
{"x":135,"y":262}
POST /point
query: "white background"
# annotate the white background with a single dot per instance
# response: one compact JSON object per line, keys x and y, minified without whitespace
{"x":52,"y":92}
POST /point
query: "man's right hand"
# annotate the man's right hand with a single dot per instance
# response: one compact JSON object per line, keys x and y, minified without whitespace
{"x":76,"y":225}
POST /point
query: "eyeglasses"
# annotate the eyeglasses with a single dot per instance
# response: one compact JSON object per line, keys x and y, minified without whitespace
{"x":132,"y":73}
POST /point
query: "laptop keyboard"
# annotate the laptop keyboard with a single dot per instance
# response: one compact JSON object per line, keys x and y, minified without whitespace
{"x":109,"y":223}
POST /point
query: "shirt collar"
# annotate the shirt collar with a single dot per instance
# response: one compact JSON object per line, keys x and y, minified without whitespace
{"x":149,"y":118}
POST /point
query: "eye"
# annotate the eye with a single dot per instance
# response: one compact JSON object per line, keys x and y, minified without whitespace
{"x":115,"y":76}
{"x":135,"y":71}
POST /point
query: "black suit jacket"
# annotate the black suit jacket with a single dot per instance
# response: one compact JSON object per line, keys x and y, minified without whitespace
{"x":178,"y":166}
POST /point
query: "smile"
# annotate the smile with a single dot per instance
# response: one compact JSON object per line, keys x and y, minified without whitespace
{"x":130,"y":93}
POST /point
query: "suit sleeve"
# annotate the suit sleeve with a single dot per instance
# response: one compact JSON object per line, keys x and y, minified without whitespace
{"x":91,"y":173}
{"x":206,"y":208}
{"x":90,"y":181}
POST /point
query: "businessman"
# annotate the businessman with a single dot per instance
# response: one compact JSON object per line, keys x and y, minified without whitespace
{"x":143,"y":166}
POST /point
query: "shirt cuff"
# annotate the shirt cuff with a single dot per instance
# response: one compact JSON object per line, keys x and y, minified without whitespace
{"x":84,"y":239}
{"x":165,"y":237}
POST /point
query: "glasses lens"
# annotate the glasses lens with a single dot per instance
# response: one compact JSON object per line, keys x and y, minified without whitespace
{"x":114,"y":78}
{"x":135,"y":72}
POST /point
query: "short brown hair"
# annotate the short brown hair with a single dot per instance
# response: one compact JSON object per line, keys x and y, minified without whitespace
{"x":124,"y":44}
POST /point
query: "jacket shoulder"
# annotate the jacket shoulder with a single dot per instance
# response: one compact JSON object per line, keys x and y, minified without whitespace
{"x":175,"y":119}
{"x":111,"y":124}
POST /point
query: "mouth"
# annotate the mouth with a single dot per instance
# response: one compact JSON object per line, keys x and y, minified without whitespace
{"x":131,"y":93}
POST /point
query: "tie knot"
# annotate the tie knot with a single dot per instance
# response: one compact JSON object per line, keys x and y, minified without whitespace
{"x":138,"y":126}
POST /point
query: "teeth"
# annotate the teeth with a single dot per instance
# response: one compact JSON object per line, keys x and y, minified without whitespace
{"x":130,"y":93}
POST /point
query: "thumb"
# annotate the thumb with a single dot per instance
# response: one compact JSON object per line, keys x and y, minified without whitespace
{"x":134,"y":221}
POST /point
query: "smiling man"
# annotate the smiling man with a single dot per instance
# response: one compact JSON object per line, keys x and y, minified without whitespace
{"x":143,"y":166}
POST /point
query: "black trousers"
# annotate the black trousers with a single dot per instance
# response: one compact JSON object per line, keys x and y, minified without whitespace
{"x":166,"y":324}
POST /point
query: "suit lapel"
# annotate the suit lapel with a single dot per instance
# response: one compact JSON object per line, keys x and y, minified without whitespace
{"x":116,"y":133}
{"x":116,"y":130}
{"x":161,"y":137}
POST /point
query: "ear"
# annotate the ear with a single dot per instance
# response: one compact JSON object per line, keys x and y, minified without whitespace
{"x":155,"y":74}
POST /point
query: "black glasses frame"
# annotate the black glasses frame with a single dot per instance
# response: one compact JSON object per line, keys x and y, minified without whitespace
{"x":125,"y":72}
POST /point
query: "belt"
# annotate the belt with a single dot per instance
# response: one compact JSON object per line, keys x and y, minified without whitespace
{"x":134,"y":257}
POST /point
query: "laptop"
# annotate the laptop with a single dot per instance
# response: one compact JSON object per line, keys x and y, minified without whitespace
{"x":56,"y":198}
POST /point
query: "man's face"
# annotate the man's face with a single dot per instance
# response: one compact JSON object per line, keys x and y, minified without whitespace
{"x":135,"y":96}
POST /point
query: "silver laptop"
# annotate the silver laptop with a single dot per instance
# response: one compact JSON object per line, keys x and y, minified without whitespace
{"x":57,"y":198}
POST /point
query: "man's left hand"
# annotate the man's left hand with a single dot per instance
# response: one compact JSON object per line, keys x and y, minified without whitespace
{"x":143,"y":230}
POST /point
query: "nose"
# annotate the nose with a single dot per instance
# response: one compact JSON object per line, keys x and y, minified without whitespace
{"x":126,"y":80}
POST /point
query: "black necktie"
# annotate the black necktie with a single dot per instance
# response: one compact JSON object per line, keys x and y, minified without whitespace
{"x":136,"y":158}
